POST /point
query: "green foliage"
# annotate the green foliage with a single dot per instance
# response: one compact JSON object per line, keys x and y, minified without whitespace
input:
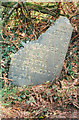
{"x":10,"y":93}
{"x":41,"y":117}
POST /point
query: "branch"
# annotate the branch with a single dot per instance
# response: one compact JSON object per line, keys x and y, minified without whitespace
{"x":41,"y":9}
{"x":10,"y":13}
{"x":8,"y":4}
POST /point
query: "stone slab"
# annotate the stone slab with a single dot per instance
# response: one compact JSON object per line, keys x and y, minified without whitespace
{"x":42,"y":60}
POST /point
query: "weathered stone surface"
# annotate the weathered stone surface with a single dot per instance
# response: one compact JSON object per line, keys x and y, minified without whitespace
{"x":42,"y":60}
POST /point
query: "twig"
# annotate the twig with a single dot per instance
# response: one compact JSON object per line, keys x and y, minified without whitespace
{"x":13,"y":42}
{"x":44,"y":28}
{"x":3,"y":42}
{"x":10,"y":12}
{"x":75,"y":37}
{"x":6,"y":78}
{"x":73,"y":16}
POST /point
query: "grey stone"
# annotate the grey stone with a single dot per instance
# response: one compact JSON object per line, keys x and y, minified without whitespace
{"x":42,"y":60}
